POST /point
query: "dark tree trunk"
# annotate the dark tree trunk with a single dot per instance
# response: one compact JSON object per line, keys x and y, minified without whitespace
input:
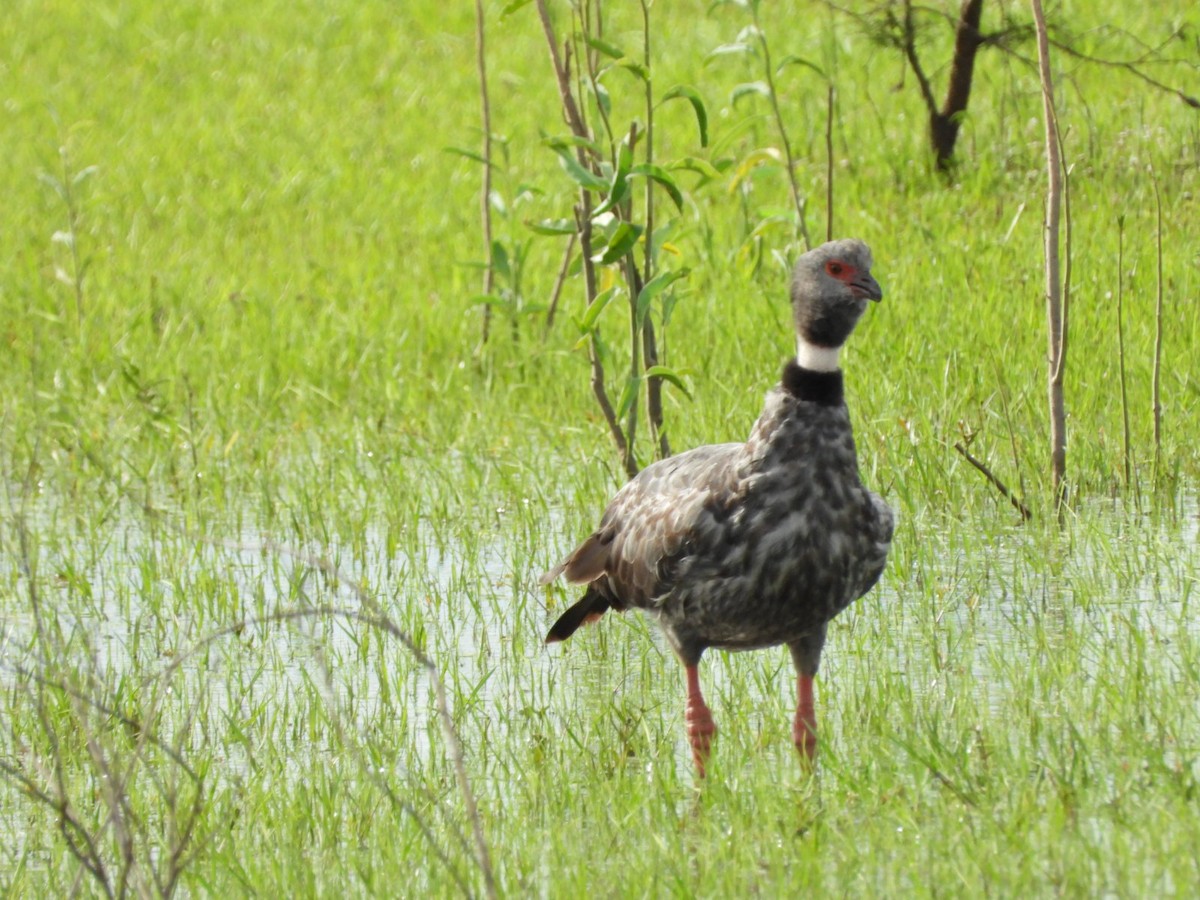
{"x":944,"y":123}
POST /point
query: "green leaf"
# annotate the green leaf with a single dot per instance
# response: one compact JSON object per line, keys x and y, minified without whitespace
{"x":500,"y":261}
{"x":623,"y":240}
{"x":513,"y":7}
{"x":617,"y":193}
{"x":653,"y":288}
{"x":604,"y":47}
{"x":750,"y":87}
{"x":618,"y":188}
{"x":735,"y":48}
{"x":50,"y":181}
{"x":637,"y":69}
{"x":661,"y":237}
{"x":752,"y":161}
{"x":750,"y":33}
{"x":695,"y":164}
{"x":624,"y":157}
{"x":793,"y":60}
{"x":673,"y":376}
{"x":83,"y":175}
{"x":581,"y":176}
{"x":469,"y":154}
{"x":560,"y":142}
{"x":588,"y":322}
{"x":693,"y":97}
{"x":602,"y":97}
{"x":628,"y":393}
{"x":782,"y":222}
{"x":551,"y":226}
{"x":663,"y":177}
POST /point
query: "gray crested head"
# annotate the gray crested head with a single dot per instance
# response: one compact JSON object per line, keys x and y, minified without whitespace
{"x":831,"y":285}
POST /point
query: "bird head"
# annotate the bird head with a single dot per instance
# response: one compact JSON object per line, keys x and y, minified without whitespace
{"x":831,"y":285}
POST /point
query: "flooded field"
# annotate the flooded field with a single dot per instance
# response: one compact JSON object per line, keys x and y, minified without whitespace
{"x":243,"y":655}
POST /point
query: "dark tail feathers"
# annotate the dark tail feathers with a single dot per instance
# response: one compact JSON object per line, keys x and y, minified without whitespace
{"x":589,"y":608}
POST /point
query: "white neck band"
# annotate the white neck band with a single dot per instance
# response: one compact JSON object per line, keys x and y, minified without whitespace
{"x":816,"y":359}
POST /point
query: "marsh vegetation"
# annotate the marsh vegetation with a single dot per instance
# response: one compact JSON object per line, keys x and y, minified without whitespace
{"x":267,"y":494}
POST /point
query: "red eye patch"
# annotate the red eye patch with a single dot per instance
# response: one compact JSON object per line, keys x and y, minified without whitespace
{"x":840,"y":270}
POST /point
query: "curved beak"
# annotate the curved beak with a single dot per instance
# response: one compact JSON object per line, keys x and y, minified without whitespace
{"x":868,"y":287}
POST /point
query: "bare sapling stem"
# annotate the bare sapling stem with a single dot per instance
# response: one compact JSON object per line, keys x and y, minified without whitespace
{"x":599,"y":388}
{"x":1156,"y":385}
{"x":485,"y":200}
{"x":654,"y":383}
{"x":1125,"y":443}
{"x":648,"y":250}
{"x":635,"y":344}
{"x":798,"y":201}
{"x":654,"y":407}
{"x":1054,"y":298}
{"x":592,"y":12}
{"x":583,"y":214}
{"x":829,"y":168}
{"x":560,"y":280}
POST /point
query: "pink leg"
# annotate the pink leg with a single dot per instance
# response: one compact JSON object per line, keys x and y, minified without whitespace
{"x":700,"y":726}
{"x":804,"y":728}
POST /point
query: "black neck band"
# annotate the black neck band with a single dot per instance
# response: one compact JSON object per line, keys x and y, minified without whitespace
{"x":824,"y":388}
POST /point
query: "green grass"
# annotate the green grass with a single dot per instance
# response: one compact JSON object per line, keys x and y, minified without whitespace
{"x":274,"y":340}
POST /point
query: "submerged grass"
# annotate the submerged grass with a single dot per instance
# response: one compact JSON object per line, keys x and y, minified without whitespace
{"x":251,"y":326}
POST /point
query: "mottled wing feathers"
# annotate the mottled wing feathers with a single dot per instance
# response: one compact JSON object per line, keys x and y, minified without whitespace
{"x":586,"y":562}
{"x":647,"y":522}
{"x":662,"y":515}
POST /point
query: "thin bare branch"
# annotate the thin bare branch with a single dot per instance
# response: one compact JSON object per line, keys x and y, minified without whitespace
{"x":1054,"y":303}
{"x":106,"y":710}
{"x":485,"y":204}
{"x":583,"y":223}
{"x":1125,"y":440}
{"x":560,"y":280}
{"x":377,"y":619}
{"x":570,"y":108}
{"x":798,"y":201}
{"x":373,"y":617}
{"x":999,"y":485}
{"x":1156,"y":387}
{"x":908,"y":43}
{"x":829,"y":167}
{"x":1128,"y":66}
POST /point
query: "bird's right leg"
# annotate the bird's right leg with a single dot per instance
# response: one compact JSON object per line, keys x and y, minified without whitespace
{"x":804,"y":726}
{"x":806,"y":655}
{"x":701,"y":728}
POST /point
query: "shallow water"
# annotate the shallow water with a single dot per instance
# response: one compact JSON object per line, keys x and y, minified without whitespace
{"x":137,"y":605}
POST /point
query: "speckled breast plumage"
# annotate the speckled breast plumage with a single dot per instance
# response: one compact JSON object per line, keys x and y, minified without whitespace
{"x":749,"y":545}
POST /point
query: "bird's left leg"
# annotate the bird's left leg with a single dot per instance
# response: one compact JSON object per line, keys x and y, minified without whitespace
{"x":804,"y":726}
{"x":806,"y":654}
{"x":701,"y":729}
